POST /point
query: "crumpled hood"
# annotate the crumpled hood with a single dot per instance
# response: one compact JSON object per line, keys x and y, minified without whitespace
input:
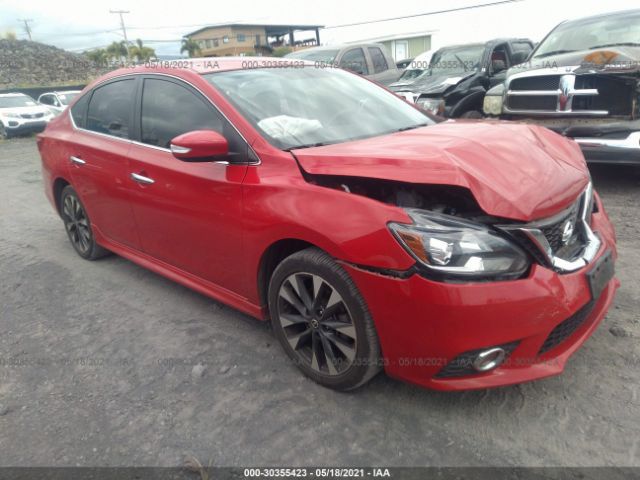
{"x":432,"y":85}
{"x":602,"y":60}
{"x":515,"y":171}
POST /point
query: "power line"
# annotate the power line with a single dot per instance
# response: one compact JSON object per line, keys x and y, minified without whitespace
{"x":458,"y":9}
{"x":124,"y":29}
{"x":27,"y":28}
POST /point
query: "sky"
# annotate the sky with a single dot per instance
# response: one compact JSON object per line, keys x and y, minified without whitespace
{"x":78,"y":26}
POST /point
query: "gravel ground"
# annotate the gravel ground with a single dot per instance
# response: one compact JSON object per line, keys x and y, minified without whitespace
{"x":107,"y":364}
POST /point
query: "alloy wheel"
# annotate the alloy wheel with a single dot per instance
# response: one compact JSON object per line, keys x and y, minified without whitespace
{"x":317,"y":323}
{"x":77,"y":224}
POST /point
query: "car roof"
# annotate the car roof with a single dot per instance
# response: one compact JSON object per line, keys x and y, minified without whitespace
{"x":13,"y":94}
{"x":619,"y":13}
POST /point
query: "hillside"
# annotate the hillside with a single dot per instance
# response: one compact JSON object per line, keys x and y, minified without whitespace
{"x":25,"y":64}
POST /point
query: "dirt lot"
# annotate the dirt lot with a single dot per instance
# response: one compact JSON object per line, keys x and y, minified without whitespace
{"x":97,"y":368}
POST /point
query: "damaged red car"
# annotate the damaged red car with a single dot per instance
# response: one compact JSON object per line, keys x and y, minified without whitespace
{"x":453,"y":255}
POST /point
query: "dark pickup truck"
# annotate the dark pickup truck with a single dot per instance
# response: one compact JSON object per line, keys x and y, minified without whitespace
{"x":582,"y":81}
{"x":456,"y":79}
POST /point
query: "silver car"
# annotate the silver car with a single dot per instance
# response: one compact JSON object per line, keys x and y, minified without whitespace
{"x":56,"y":102}
{"x":371,"y":60}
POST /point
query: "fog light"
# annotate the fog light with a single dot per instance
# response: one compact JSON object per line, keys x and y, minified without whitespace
{"x":489,"y":359}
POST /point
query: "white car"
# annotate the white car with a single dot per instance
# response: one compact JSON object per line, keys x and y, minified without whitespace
{"x":20,"y":114}
{"x":57,"y":101}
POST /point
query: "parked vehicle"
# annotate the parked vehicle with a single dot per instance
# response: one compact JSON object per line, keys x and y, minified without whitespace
{"x":57,"y":101}
{"x":417,"y":67}
{"x":458,"y":76}
{"x":19,"y":114}
{"x":583,"y":81}
{"x":371,"y":60}
{"x":369,"y":235}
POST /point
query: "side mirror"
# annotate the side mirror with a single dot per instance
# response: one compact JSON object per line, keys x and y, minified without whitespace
{"x":519,"y":57}
{"x":199,"y":146}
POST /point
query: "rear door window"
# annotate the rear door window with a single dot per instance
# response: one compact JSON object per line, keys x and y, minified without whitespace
{"x":378,"y":60}
{"x":110,"y":107}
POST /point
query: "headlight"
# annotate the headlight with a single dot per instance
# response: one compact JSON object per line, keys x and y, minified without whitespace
{"x":492,"y":104}
{"x":459,"y":248}
{"x":10,"y":115}
{"x":434,"y":106}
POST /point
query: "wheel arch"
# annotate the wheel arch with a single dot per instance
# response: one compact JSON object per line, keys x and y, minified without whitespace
{"x":59,"y":185}
{"x":271,"y":258}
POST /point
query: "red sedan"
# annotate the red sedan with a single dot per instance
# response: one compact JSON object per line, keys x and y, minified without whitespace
{"x":452,"y":255}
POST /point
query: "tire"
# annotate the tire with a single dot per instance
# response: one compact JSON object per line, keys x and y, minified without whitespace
{"x":475,"y":114}
{"x":78,"y":226}
{"x":322,"y":322}
{"x":3,"y":132}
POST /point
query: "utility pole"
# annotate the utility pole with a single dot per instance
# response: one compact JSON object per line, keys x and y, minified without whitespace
{"x":27,"y":28}
{"x":124,"y":29}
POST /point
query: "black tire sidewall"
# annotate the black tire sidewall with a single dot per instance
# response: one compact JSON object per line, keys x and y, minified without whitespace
{"x":93,"y":251}
{"x":366,"y":362}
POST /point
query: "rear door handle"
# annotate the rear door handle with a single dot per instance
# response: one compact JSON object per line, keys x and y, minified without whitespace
{"x":77,"y":160}
{"x":142,"y":179}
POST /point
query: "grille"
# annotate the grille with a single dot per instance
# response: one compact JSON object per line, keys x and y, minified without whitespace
{"x":533,"y":103}
{"x":554,"y":231}
{"x":565,"y":329}
{"x":615,"y":95}
{"x":462,"y":365}
{"x":32,"y":115}
{"x":546,"y":82}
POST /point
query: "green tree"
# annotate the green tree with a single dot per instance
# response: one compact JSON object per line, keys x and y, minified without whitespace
{"x":140,"y":52}
{"x":99,"y":56}
{"x":190,"y":46}
{"x":118,"y":51}
{"x":282,"y":51}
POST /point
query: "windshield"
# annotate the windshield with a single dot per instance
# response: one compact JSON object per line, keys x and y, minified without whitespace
{"x":17,"y":101}
{"x":320,"y":55}
{"x":66,"y":98}
{"x":411,"y":74}
{"x":591,"y":33}
{"x":301,"y":107}
{"x":456,"y":60}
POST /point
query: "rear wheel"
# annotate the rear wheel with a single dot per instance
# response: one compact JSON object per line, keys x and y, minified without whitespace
{"x":78,"y":226}
{"x":322,"y":321}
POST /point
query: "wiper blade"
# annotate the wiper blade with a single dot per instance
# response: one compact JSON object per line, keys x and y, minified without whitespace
{"x":554,"y":52}
{"x":307,"y":145}
{"x":620,"y":44}
{"x":412,"y":127}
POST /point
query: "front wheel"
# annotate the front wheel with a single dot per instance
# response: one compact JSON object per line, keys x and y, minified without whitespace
{"x":322,"y":321}
{"x":78,"y":226}
{"x":3,"y":132}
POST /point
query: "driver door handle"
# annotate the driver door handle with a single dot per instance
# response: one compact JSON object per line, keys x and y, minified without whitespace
{"x":142,"y":179}
{"x":76,"y":160}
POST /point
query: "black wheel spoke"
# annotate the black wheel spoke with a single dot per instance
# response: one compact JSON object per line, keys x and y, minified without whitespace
{"x":329,"y":355}
{"x":300,"y":339}
{"x":347,"y":350}
{"x":344,"y":328}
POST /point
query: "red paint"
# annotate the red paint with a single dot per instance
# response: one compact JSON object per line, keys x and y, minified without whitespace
{"x":207,"y":225}
{"x":199,"y":144}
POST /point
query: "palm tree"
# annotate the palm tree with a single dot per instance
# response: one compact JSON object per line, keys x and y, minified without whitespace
{"x":99,"y":56}
{"x":118,"y":50}
{"x":190,"y":46}
{"x":140,"y":52}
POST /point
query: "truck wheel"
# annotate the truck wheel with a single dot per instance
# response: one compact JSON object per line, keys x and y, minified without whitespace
{"x":475,"y":114}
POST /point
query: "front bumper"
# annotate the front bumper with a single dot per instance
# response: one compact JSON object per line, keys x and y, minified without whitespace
{"x":611,"y":150}
{"x":424,"y":325}
{"x":17,"y":126}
